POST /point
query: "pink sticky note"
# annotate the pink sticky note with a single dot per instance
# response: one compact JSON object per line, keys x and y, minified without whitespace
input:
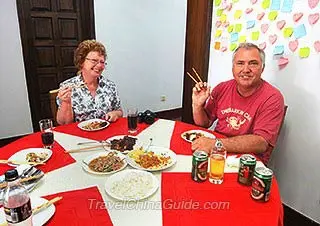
{"x":293,"y":45}
{"x":313,"y":18}
{"x":260,"y":16}
{"x":317,"y":46}
{"x":264,"y":28}
{"x":218,"y":24}
{"x":229,"y":7}
{"x":254,"y":1}
{"x":249,"y":10}
{"x":263,"y":45}
{"x":280,"y":24}
{"x":313,"y":3}
{"x":273,"y":38}
{"x":223,"y":49}
{"x":282,"y":62}
{"x":226,"y":24}
{"x":297,"y":16}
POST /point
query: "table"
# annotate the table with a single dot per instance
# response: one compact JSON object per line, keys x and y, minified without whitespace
{"x":73,"y":177}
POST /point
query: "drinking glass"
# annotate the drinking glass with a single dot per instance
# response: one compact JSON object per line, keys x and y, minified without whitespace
{"x":46,"y":133}
{"x":132,"y":120}
{"x":217,"y":162}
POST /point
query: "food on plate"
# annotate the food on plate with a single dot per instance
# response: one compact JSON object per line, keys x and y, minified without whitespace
{"x":192,"y":136}
{"x":108,"y":163}
{"x":148,"y":159}
{"x":36,"y":157}
{"x":95,"y":125}
{"x":123,"y":144}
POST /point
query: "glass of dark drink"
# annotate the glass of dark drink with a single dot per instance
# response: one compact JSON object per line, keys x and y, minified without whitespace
{"x":46,"y":132}
{"x":132,"y":120}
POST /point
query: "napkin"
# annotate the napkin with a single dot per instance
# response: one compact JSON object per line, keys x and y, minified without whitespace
{"x":179,"y":145}
{"x":80,"y":207}
{"x":186,"y":202}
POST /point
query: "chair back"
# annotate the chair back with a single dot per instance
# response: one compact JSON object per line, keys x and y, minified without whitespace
{"x":53,"y":105}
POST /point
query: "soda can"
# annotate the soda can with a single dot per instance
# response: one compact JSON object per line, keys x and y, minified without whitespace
{"x":199,"y":171}
{"x":261,"y":184}
{"x":246,"y":169}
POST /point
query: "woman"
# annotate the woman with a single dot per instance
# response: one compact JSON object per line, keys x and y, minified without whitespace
{"x":88,"y":95}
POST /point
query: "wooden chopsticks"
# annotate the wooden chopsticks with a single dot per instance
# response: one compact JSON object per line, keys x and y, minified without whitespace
{"x":72,"y":86}
{"x":4,"y":161}
{"x":25,"y":179}
{"x":199,"y":78}
{"x":87,"y":148}
{"x":46,"y":204}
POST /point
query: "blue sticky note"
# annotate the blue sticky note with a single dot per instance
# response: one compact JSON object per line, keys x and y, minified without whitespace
{"x":278,"y":50}
{"x":287,"y":6}
{"x":234,"y":37}
{"x":300,"y":31}
{"x":250,"y":24}
{"x":275,"y":5}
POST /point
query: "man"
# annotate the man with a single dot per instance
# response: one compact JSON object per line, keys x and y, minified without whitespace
{"x":249,"y":110}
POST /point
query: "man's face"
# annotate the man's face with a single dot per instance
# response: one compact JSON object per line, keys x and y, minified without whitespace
{"x":247,"y":68}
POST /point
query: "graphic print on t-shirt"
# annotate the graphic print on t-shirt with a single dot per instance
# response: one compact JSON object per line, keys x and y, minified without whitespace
{"x":237,"y":119}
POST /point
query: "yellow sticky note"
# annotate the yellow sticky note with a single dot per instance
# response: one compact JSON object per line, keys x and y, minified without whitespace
{"x":304,"y":52}
{"x":234,"y":1}
{"x":273,"y":15}
{"x":233,"y":46}
{"x":217,"y":45}
{"x":242,"y":38}
{"x":230,"y":28}
{"x":217,"y":2}
{"x":223,"y":18}
{"x":265,"y":4}
{"x":218,"y":33}
{"x":238,"y":14}
{"x":219,"y":12}
{"x":238,"y":28}
{"x":287,"y":32}
{"x":255,"y":35}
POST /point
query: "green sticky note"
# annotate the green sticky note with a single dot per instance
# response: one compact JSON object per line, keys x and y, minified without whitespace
{"x":265,"y":4}
{"x":223,"y":18}
{"x":287,"y":32}
{"x":273,"y":15}
{"x":230,"y":28}
{"x":233,"y":46}
{"x":242,"y":38}
{"x":255,"y":35}
{"x":219,"y":12}
{"x":217,"y":2}
{"x":238,"y":28}
{"x":238,"y":14}
{"x":218,"y":33}
{"x":304,"y":52}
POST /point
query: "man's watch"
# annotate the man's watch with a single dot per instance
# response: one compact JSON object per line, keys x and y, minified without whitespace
{"x":218,"y":144}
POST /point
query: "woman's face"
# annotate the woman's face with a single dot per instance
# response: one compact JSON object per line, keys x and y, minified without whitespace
{"x":93,"y":65}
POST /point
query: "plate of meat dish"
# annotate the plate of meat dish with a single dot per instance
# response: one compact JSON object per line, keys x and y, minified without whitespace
{"x":93,"y":124}
{"x":122,"y":143}
{"x":104,"y":163}
{"x":191,"y":135}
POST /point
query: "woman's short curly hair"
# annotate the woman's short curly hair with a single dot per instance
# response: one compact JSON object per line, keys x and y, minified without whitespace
{"x":86,"y":47}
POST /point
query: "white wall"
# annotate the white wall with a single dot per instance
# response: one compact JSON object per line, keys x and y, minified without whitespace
{"x":15,"y":118}
{"x":145,"y":43}
{"x":296,"y":157}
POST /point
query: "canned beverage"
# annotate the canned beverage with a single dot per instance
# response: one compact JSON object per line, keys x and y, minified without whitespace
{"x":199,"y":171}
{"x":261,"y":184}
{"x":246,"y":169}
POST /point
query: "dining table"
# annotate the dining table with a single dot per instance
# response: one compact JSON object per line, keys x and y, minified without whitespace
{"x":178,"y":200}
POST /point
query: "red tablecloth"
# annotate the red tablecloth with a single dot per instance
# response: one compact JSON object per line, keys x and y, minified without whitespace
{"x":80,"y":207}
{"x":185,"y":202}
{"x":120,"y":127}
{"x":180,"y":146}
{"x":58,"y":159}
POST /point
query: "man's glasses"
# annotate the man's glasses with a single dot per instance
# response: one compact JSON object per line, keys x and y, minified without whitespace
{"x":95,"y":61}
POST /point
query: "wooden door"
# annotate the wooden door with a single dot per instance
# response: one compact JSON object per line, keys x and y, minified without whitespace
{"x":50,"y":31}
{"x":199,"y":19}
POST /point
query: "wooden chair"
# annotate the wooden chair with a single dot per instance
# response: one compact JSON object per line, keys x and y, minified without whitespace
{"x":53,"y":104}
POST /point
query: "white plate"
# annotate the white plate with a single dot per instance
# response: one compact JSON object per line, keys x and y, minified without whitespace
{"x":193,"y":132}
{"x":82,"y":125}
{"x":137,"y":145}
{"x":131,"y":185}
{"x":38,"y":219}
{"x":158,"y":151}
{"x":91,"y":157}
{"x":20,"y":156}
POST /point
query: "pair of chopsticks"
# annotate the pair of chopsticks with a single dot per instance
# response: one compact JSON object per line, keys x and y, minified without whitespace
{"x":87,"y":148}
{"x":72,"y":86}
{"x":25,"y":179}
{"x":20,"y":163}
{"x":194,"y":70}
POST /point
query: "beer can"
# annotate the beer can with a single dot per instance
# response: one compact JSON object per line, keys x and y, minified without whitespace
{"x":261,"y":184}
{"x":246,"y":169}
{"x":199,"y":171}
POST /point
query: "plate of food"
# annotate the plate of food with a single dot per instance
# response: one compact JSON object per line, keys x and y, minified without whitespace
{"x":123,"y":143}
{"x":41,"y":217}
{"x":191,"y":135}
{"x":104,"y":163}
{"x":30,"y":155}
{"x":153,"y":159}
{"x":93,"y":124}
{"x":131,"y":185}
